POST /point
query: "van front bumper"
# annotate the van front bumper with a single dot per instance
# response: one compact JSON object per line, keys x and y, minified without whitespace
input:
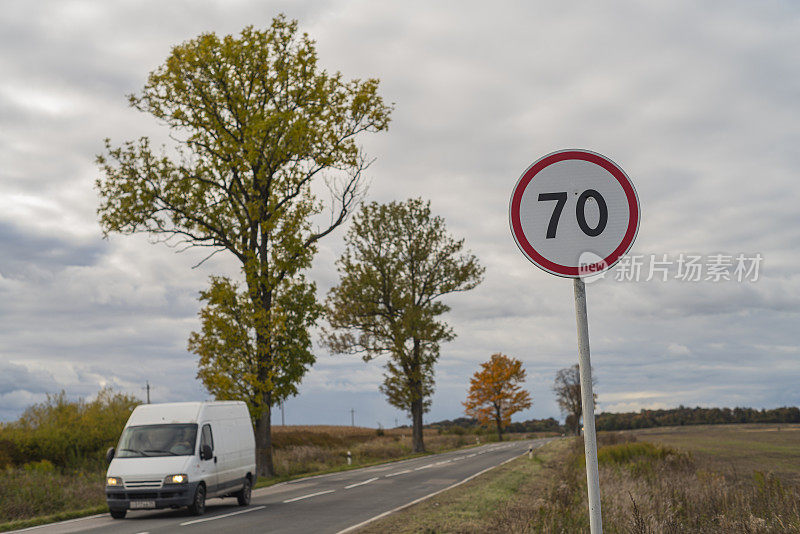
{"x":172,"y":495}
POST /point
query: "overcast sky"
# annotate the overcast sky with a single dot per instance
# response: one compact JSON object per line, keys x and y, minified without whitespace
{"x":698,"y":102}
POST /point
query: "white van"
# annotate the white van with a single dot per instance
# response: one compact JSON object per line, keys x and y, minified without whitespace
{"x":179,"y":454}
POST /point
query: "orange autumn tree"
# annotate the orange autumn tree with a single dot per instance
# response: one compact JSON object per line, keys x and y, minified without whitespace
{"x":495,"y":392}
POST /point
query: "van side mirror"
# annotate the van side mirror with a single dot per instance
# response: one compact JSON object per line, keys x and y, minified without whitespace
{"x":110,"y":454}
{"x":206,"y":453}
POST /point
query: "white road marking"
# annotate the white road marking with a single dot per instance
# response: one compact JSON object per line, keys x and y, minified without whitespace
{"x":361,"y":483}
{"x":308,"y":496}
{"x":423,"y":467}
{"x":412,"y":503}
{"x":398,"y":473}
{"x":222,"y":516}
{"x":37,"y":527}
{"x":470,"y":455}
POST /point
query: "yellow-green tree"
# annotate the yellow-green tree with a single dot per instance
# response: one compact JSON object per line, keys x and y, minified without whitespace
{"x":495,"y":392}
{"x":258,"y":125}
{"x":398,"y":262}
{"x":227,"y":343}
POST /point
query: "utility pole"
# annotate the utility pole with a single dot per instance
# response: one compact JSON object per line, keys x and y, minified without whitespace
{"x":283,"y":421}
{"x":352,"y":417}
{"x":147,"y":387}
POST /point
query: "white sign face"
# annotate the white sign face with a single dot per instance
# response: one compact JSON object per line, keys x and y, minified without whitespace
{"x":574,"y":213}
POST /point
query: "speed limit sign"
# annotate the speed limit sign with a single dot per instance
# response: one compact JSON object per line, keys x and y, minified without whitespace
{"x":574,"y":213}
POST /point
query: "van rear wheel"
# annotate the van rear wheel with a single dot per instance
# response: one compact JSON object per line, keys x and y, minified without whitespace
{"x":198,"y":506}
{"x":244,"y":494}
{"x":118,"y":513}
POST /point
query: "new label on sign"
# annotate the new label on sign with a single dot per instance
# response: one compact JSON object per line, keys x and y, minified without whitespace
{"x":574,"y":213}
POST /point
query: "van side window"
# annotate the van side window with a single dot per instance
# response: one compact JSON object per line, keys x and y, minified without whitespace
{"x":207,"y":438}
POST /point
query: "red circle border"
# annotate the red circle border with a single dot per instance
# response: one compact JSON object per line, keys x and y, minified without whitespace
{"x":564,"y":270}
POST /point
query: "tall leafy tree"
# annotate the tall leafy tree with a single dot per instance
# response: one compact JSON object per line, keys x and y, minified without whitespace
{"x":567,"y":387}
{"x":227,"y":342}
{"x":495,"y":392}
{"x":257,"y":126}
{"x":398,"y":262}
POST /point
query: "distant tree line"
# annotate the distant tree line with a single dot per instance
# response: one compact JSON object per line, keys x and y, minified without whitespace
{"x":464,"y":425}
{"x":536,"y":425}
{"x":679,"y":416}
{"x":695,"y":416}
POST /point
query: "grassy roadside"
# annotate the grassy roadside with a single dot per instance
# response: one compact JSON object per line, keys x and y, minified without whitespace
{"x":54,"y":518}
{"x":40,"y":493}
{"x":646,"y":488}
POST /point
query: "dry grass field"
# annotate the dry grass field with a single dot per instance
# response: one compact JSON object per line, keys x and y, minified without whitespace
{"x":736,"y":449}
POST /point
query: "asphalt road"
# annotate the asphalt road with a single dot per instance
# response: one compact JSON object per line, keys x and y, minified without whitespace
{"x":332,"y":503}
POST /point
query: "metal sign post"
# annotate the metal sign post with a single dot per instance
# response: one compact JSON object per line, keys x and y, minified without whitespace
{"x":575,"y":213}
{"x":587,"y":401}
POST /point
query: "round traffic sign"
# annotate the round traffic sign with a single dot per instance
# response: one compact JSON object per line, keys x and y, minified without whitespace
{"x":574,"y":213}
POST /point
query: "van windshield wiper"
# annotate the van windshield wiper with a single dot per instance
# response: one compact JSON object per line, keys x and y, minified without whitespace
{"x":137,"y":451}
{"x":159,"y":451}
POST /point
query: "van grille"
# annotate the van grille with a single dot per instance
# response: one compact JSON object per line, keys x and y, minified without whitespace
{"x":122,"y":495}
{"x":134,"y":484}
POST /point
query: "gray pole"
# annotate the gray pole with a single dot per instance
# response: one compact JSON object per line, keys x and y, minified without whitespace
{"x":587,"y":400}
{"x":352,"y":417}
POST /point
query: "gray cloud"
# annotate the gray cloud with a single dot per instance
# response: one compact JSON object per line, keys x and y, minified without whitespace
{"x":698,"y":105}
{"x":15,"y":377}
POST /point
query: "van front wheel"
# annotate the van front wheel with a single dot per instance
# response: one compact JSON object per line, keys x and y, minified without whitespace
{"x":243,"y":495}
{"x":198,"y":505}
{"x":118,"y":513}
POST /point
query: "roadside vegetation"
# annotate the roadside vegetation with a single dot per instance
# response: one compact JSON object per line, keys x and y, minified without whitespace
{"x":52,"y":457}
{"x":65,"y":433}
{"x":647,"y":487}
{"x":52,"y":463}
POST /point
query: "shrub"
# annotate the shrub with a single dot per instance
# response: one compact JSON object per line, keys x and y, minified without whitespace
{"x":64,"y":432}
{"x":42,"y":466}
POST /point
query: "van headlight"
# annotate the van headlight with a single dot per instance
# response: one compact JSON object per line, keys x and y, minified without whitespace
{"x":114,"y":481}
{"x":176,"y":479}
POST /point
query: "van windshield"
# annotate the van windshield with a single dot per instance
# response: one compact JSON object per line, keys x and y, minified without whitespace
{"x":157,"y":440}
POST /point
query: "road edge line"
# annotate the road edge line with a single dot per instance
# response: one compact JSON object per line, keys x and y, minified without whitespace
{"x":417,"y":501}
{"x":73,"y":520}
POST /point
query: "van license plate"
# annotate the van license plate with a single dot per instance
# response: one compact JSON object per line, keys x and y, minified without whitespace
{"x":142,"y":504}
